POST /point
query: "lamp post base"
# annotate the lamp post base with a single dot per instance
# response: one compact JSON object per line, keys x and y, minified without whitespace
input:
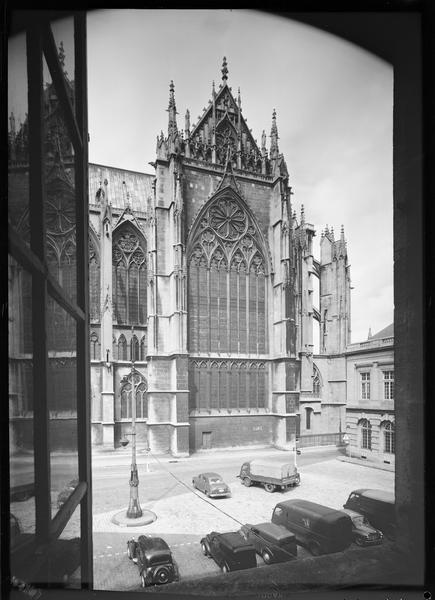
{"x":123,"y":520}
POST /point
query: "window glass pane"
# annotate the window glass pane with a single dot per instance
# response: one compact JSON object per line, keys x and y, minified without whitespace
{"x":21,"y":452}
{"x":69,"y":543}
{"x":63,"y":33}
{"x":62,"y":403}
{"x":60,"y":192}
{"x":18,"y":142}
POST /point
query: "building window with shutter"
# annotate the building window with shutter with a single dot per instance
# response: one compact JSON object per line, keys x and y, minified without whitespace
{"x":388,"y":385}
{"x":365,"y":386}
{"x":365,"y":434}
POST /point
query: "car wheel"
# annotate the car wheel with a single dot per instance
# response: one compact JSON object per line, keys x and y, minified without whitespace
{"x":225,"y":569}
{"x":266,"y":557}
{"x":162,"y":576}
{"x":143,"y":580}
{"x":129,"y":552}
{"x":314,"y":548}
{"x":247,"y":481}
{"x":359,"y":541}
{"x":204,"y":549}
{"x":269,"y":487}
{"x":206,"y":492}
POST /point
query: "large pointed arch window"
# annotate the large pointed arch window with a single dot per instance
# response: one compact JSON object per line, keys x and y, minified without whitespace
{"x":94,"y":281}
{"x":129,"y":277}
{"x":134,"y":386}
{"x":227,"y":283}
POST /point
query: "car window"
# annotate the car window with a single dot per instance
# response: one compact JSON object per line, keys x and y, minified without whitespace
{"x":278,"y":511}
{"x":215,"y":480}
{"x":359,"y":520}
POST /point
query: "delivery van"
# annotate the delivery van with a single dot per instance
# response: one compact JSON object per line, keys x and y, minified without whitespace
{"x":377,"y":506}
{"x":319,"y":528}
{"x":271,"y":475}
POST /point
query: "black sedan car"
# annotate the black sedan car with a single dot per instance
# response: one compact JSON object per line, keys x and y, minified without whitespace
{"x":230,"y":551}
{"x":211,"y":484}
{"x":364,"y":534}
{"x":154,"y":559}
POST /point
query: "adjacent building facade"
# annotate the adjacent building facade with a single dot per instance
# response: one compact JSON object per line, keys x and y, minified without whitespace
{"x":370,"y":423}
{"x":201,"y":292}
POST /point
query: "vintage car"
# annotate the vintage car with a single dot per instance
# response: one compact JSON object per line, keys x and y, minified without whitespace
{"x":378,"y":506}
{"x":229,"y":550}
{"x":211,"y":484}
{"x":363,"y":533}
{"x":154,"y":559}
{"x":274,"y":543}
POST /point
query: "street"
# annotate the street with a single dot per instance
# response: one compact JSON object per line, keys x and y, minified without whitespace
{"x":184,"y":515}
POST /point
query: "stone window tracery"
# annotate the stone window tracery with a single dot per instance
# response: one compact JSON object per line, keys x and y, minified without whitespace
{"x":94,"y":282}
{"x":227,"y":283}
{"x":129,"y":278}
{"x":227,"y":385}
{"x":95,"y":346}
{"x":129,"y":387}
{"x":122,"y":348}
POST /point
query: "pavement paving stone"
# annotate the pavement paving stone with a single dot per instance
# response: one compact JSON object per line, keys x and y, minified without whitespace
{"x":182,"y":520}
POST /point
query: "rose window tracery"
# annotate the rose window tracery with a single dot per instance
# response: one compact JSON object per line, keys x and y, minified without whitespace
{"x":228,"y":219}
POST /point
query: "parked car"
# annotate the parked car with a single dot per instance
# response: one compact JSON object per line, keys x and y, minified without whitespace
{"x":64,"y":494}
{"x":320,"y":528}
{"x":211,"y":484}
{"x":229,"y":551}
{"x":274,"y":543}
{"x":377,"y":506}
{"x":269,"y":474}
{"x":364,"y":534}
{"x":154,"y":559}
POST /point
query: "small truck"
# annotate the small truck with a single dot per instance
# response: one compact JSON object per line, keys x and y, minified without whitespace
{"x":271,"y":475}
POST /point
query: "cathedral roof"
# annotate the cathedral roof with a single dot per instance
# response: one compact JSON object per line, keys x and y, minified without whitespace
{"x":126,"y":188}
{"x":384,"y":333}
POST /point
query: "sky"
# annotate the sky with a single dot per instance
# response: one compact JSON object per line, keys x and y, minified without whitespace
{"x":334,"y":104}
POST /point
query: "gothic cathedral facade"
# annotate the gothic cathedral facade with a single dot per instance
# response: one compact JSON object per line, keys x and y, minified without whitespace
{"x":201,"y":291}
{"x":206,"y":282}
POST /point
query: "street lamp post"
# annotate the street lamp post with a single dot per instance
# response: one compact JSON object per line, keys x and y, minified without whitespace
{"x":134,"y":510}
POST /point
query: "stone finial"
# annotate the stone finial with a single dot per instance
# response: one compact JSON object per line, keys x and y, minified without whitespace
{"x":187,"y":122}
{"x":302,"y":214}
{"x":61,"y":55}
{"x":369,"y":334}
{"x":274,"y":150}
{"x":172,"y":111}
{"x":224,"y":69}
{"x":263,"y":140}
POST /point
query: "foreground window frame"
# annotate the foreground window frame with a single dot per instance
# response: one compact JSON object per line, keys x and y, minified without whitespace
{"x":40,"y":45}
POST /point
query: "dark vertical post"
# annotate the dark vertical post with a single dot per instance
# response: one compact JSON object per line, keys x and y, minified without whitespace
{"x":134,"y":510}
{"x":83,"y":359}
{"x":39,"y":288}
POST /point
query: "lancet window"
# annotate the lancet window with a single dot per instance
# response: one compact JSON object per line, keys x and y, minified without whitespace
{"x":94,"y":282}
{"x":129,"y":278}
{"x":227,"y":283}
{"x":134,"y":386}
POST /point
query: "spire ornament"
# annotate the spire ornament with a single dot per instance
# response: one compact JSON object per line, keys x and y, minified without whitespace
{"x":172,"y":111}
{"x":274,"y":150}
{"x":224,"y":70}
